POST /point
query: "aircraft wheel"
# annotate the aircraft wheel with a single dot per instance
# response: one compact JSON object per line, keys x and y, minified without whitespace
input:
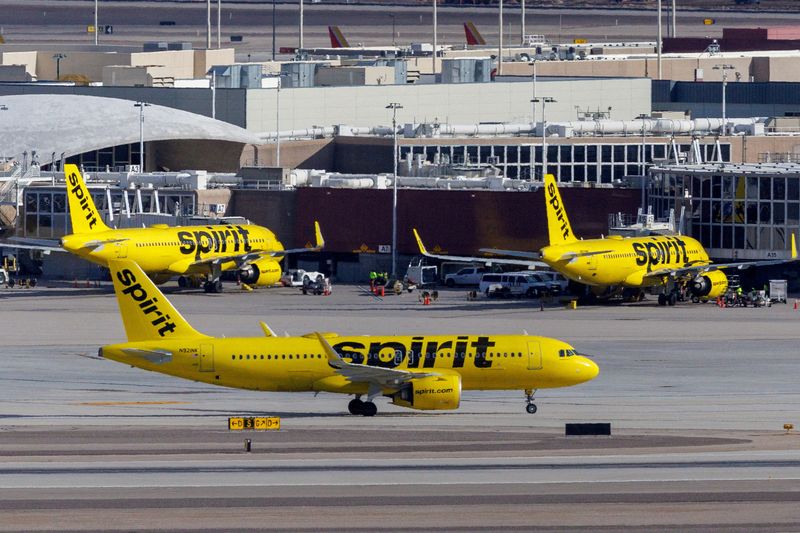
{"x":369,"y":409}
{"x":662,"y":299}
{"x":531,"y":408}
{"x":207,"y":286}
{"x":218,"y":286}
{"x":672,"y":299}
{"x":356,"y":406}
{"x":183,"y":282}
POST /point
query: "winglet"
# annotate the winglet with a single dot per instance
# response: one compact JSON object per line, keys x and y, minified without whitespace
{"x":267,"y":330}
{"x":794,"y":247}
{"x":318,"y":236}
{"x":422,"y":249}
{"x":334,"y":359}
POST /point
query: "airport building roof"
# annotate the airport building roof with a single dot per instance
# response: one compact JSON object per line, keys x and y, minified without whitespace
{"x":73,"y":124}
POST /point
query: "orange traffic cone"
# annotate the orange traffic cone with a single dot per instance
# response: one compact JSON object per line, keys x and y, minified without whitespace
{"x":795,"y":305}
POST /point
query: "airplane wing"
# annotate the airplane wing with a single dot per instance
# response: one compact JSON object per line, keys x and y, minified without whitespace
{"x":511,"y":253}
{"x":382,"y":377}
{"x":45,"y":249}
{"x":485,"y":260}
{"x":569,"y":256}
{"x":692,"y":270}
{"x":319,"y":245}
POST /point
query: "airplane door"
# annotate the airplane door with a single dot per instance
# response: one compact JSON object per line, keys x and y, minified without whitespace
{"x":206,"y":357}
{"x":534,"y":355}
{"x":122,"y":250}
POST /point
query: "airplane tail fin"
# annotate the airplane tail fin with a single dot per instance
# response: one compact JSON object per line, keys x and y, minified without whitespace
{"x":472,"y":34}
{"x":558,"y":225}
{"x":146,"y":312}
{"x":338,"y":39}
{"x":82,"y":212}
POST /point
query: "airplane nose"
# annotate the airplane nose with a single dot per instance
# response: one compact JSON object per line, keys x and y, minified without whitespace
{"x":586,"y":369}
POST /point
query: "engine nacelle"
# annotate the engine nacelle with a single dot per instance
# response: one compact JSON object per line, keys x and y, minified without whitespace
{"x":261,"y":272}
{"x":430,"y":393}
{"x":709,"y":285}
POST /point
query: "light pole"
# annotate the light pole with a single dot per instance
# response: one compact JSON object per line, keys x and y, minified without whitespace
{"x":58,"y":57}
{"x":394,"y":106}
{"x":544,"y":100}
{"x":301,"y":25}
{"x":141,"y":106}
{"x":219,"y":23}
{"x":435,"y":34}
{"x":533,"y":94}
{"x":394,"y":33}
{"x":724,"y":69}
{"x":278,"y":125}
{"x":500,"y":41}
{"x":273,"y":30}
{"x":96,"y":42}
{"x":659,"y":39}
{"x":522,"y":23}
{"x":208,"y":24}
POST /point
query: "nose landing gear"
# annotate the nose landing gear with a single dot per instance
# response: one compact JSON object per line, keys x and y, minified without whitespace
{"x":530,"y":407}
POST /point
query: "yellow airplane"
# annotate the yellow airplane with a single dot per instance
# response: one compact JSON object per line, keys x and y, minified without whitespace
{"x":614,"y":261}
{"x":425,"y":372}
{"x":185,"y":251}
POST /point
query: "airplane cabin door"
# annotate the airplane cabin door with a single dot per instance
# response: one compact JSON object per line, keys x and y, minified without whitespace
{"x":122,"y":250}
{"x":206,"y":357}
{"x":534,"y":355}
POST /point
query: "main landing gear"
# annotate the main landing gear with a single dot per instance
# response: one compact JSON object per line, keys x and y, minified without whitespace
{"x":668,"y":299}
{"x":530,"y":407}
{"x":359,"y":407}
{"x":214,"y":286}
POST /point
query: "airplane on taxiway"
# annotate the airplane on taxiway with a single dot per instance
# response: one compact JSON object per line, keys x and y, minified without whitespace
{"x":664,"y":261}
{"x":424,"y":372}
{"x":167,"y":251}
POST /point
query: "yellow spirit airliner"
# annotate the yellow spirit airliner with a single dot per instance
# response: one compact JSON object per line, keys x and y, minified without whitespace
{"x":185,"y":251}
{"x":426,"y":372}
{"x":614,"y":261}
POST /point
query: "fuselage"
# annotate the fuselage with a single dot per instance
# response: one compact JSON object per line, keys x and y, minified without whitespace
{"x":300,"y":363}
{"x":623,"y":261}
{"x":172,"y":250}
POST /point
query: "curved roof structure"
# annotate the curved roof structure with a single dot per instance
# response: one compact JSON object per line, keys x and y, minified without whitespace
{"x":75,"y":124}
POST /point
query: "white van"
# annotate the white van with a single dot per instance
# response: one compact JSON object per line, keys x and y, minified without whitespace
{"x":513,"y":284}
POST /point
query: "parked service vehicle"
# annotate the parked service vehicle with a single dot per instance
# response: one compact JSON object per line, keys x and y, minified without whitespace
{"x":420,"y":274}
{"x":555,"y":277}
{"x":297,"y":277}
{"x":513,"y":284}
{"x":465,"y":276}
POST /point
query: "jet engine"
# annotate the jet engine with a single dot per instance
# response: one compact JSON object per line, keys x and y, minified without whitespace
{"x":261,"y":272}
{"x":709,"y":285}
{"x":430,"y":393}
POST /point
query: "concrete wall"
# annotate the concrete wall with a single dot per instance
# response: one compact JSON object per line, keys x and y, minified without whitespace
{"x":219,"y":156}
{"x":465,"y":103}
{"x":311,"y":154}
{"x":28,"y":59}
{"x":205,"y":59}
{"x":124,"y":76}
{"x":350,"y":76}
{"x":175,"y":63}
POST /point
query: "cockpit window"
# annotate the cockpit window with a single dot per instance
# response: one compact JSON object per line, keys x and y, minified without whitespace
{"x":567,"y":353}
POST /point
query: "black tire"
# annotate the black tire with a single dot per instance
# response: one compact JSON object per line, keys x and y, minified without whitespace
{"x":531,"y":408}
{"x":355,"y":406}
{"x":369,"y":409}
{"x":672,"y":299}
{"x":216,"y":286}
{"x":183,"y":282}
{"x":207,"y":286}
{"x":662,"y":299}
{"x":450,"y":283}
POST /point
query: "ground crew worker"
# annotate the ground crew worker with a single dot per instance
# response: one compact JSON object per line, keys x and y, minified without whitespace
{"x":372,"y":277}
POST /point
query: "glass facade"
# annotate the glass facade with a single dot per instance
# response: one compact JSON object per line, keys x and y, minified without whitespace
{"x":46,"y":215}
{"x":595,"y":162}
{"x":732,"y":210}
